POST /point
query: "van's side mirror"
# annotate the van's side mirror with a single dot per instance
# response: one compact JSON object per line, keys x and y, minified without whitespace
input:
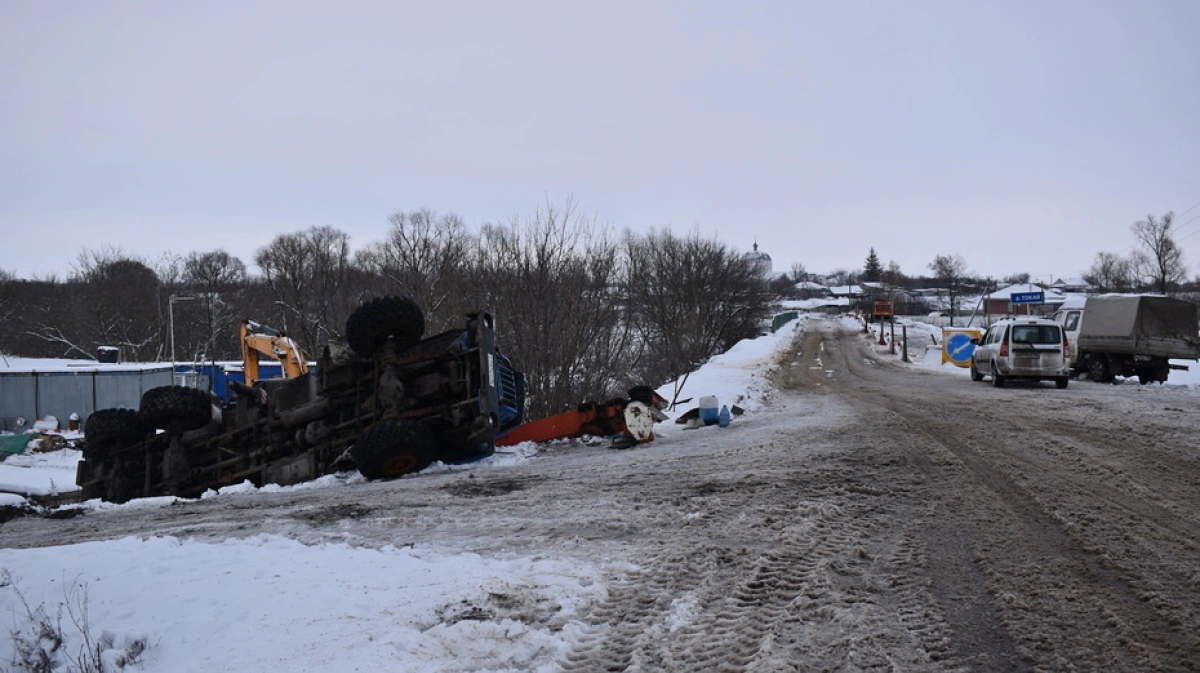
{"x":976,"y":340}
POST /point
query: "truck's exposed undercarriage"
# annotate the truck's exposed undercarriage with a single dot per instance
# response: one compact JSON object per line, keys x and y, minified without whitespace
{"x":388,"y":404}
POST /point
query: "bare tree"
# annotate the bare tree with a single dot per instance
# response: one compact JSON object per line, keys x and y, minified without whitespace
{"x":892,"y":275}
{"x":798,"y":274}
{"x":9,"y":310}
{"x":1162,"y":266}
{"x":1110,"y":272}
{"x":690,"y":298}
{"x":552,"y":281}
{"x":306,"y":272}
{"x":214,"y":278}
{"x":841,"y":277}
{"x":110,"y":300}
{"x":425,"y":257}
{"x":951,"y":272}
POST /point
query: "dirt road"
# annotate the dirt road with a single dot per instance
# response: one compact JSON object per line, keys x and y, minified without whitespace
{"x":877,"y":517}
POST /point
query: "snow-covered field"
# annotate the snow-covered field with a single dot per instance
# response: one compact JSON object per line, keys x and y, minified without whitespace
{"x":272,"y":602}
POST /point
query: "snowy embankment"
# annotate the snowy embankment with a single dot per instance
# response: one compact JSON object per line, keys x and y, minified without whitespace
{"x":271,"y":603}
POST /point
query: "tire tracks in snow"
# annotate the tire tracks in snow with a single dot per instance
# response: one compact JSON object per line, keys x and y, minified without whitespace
{"x":1076,"y":569}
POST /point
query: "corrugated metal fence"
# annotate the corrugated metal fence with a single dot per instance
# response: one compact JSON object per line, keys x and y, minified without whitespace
{"x":34,"y":395}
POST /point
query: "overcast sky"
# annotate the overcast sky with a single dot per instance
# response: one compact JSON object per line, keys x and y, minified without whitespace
{"x":1024,"y":136}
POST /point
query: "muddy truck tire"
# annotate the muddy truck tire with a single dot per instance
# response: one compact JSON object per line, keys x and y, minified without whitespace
{"x":393,"y":448}
{"x":176,"y":408}
{"x":109,"y":428}
{"x":373,"y":322}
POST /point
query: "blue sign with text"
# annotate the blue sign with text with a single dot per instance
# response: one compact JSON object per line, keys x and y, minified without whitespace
{"x":1027,"y":297}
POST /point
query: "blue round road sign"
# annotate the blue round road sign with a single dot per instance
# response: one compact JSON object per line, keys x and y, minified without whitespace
{"x":959,"y":348}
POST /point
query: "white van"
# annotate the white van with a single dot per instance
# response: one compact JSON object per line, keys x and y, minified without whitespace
{"x":1033,"y":349}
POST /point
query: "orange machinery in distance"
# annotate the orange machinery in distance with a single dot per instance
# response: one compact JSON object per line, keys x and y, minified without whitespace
{"x":259,"y":340}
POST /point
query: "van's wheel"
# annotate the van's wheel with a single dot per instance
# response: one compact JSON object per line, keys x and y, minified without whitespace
{"x":997,"y":380}
{"x":975,"y":375}
{"x":106,"y":429}
{"x":393,"y":448}
{"x":374,"y":321}
{"x":1098,"y":370}
{"x":175,"y":408}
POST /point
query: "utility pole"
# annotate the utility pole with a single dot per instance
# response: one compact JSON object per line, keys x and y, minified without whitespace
{"x":171,"y":318}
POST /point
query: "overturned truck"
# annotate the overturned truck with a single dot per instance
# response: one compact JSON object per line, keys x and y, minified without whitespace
{"x":387,"y":403}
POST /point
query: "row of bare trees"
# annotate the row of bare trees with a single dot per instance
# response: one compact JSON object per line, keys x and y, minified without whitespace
{"x":586,"y":314}
{"x":1157,"y":265}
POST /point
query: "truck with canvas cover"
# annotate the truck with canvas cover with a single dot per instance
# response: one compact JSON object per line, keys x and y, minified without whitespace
{"x":1130,"y":335}
{"x":386,"y":402}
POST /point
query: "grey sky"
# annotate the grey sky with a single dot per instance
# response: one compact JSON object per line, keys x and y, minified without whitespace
{"x":1025,"y":136}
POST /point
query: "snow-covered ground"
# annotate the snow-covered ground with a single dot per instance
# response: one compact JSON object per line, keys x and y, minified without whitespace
{"x":335,"y":606}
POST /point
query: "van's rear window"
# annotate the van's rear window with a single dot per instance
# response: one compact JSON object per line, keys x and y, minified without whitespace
{"x":1036,"y":334}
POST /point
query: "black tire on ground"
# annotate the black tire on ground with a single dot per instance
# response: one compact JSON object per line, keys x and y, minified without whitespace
{"x":1062,"y":383}
{"x":176,"y":408}
{"x":118,"y":485}
{"x":997,"y":379}
{"x":106,"y":429}
{"x":374,"y":321}
{"x":975,"y":375}
{"x":393,"y":448}
{"x":1098,"y":370}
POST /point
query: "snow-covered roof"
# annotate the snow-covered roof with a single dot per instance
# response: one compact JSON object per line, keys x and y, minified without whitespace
{"x":846,"y":290}
{"x":15,"y":365}
{"x":813,"y":304}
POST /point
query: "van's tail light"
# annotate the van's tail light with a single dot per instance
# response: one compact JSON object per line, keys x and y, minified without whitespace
{"x":1004,"y":348}
{"x":1066,"y":346}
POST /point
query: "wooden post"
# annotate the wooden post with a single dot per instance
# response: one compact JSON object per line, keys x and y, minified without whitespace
{"x":904,"y":335}
{"x":892,"y":343}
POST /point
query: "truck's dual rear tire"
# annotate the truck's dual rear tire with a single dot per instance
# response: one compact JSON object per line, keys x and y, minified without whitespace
{"x":393,"y":448}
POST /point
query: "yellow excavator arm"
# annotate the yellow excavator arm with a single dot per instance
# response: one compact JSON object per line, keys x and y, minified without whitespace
{"x":259,"y":340}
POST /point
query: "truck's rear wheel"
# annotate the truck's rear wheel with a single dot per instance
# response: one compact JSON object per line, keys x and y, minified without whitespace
{"x":374,"y":321}
{"x":393,"y":448}
{"x":106,"y":429}
{"x":1098,"y":370}
{"x":176,"y":408}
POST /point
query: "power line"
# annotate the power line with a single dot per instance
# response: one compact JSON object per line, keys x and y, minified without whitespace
{"x":1180,"y":228}
{"x":1190,"y":209}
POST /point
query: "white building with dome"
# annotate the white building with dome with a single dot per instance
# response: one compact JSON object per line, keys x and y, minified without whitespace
{"x":760,"y":260}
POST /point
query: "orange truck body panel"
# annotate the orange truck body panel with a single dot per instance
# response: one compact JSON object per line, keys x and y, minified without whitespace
{"x":587,"y":420}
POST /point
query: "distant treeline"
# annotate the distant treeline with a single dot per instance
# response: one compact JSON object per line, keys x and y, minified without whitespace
{"x":583,"y":313}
